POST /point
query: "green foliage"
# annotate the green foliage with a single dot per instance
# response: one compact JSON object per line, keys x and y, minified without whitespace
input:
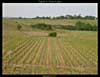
{"x":69,"y":27}
{"x":90,"y":17}
{"x":53,"y":34}
{"x":19,"y":27}
{"x":82,"y":26}
{"x":42,"y":26}
{"x":78,"y":26}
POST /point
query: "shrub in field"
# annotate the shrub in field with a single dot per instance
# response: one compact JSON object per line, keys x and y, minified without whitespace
{"x":19,"y":27}
{"x":53,"y":34}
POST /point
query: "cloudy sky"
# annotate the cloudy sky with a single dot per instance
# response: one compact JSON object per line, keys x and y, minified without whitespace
{"x":48,"y":9}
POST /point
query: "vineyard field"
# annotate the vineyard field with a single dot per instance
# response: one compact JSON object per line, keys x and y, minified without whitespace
{"x":71,"y":52}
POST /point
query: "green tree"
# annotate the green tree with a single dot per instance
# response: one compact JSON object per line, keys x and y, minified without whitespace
{"x":19,"y":27}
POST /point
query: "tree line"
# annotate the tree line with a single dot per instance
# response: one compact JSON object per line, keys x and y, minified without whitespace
{"x":67,"y":17}
{"x":78,"y":26}
{"x":61,"y":17}
{"x":82,"y":26}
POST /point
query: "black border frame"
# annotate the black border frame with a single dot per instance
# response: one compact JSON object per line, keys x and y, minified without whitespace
{"x":62,"y":1}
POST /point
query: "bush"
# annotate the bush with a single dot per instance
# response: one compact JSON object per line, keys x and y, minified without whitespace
{"x":53,"y":34}
{"x":19,"y":27}
{"x":83,"y":26}
{"x":42,"y":26}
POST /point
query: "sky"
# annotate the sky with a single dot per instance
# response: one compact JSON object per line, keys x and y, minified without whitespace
{"x":49,"y":9}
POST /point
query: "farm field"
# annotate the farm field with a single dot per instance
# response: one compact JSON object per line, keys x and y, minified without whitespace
{"x":55,"y":21}
{"x":33,"y":52}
